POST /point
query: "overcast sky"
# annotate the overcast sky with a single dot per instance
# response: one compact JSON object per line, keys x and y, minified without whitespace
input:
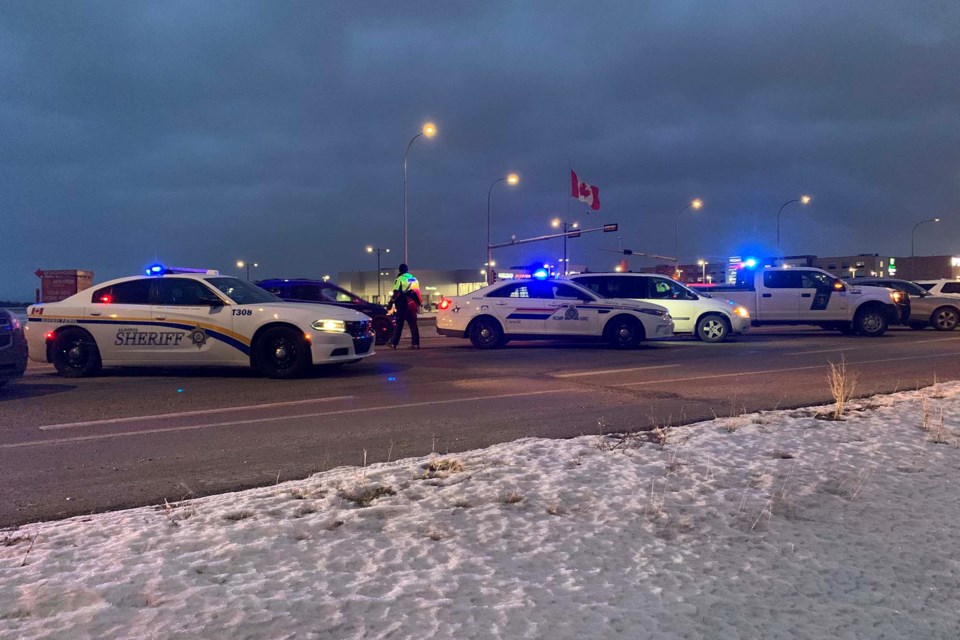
{"x":204,"y":132}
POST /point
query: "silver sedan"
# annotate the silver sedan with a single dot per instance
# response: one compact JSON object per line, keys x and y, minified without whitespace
{"x":925,"y":309}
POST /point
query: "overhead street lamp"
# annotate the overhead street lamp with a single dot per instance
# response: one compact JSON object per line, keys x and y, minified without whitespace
{"x":512,"y":179}
{"x":566,"y":227}
{"x":242,"y":263}
{"x":378,"y":251}
{"x":429,"y":130}
{"x":804,"y":200}
{"x":695,"y":204}
{"x":703,"y":269}
{"x":914,"y":232}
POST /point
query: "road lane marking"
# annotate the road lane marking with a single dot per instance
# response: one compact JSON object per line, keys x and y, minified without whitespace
{"x":194,"y":427}
{"x":787,"y":370}
{"x":936,"y":340}
{"x":803,"y":353}
{"x":605,"y":371}
{"x":185,"y":414}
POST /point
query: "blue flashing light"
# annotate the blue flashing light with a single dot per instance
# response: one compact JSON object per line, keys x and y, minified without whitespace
{"x":750,"y":263}
{"x":155,"y":269}
{"x":541,"y":274}
{"x":392,"y":379}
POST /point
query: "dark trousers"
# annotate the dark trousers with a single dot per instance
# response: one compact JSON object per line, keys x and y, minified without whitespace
{"x":406,"y":312}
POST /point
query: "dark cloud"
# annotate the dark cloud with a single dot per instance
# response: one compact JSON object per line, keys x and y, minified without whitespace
{"x":207,"y":132}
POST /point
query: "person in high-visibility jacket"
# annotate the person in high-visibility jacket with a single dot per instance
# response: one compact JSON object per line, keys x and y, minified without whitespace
{"x":406,"y":301}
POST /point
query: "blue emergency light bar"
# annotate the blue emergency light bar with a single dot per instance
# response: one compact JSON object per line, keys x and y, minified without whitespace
{"x":159,"y":270}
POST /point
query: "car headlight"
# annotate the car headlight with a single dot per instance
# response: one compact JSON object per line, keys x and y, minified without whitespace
{"x":741,"y":311}
{"x":654,"y":312}
{"x":334,"y":326}
{"x":896,"y":295}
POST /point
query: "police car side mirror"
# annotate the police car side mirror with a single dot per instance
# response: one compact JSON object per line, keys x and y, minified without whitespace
{"x":216,"y":303}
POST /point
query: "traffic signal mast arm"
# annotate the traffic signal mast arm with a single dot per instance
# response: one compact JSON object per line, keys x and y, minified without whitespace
{"x":607,"y":228}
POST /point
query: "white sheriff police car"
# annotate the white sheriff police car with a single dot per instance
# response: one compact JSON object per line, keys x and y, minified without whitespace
{"x":192,"y":317}
{"x":535,"y":309}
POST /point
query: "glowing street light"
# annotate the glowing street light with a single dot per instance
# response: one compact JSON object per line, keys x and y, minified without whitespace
{"x":914,"y":232}
{"x":703,"y":269}
{"x":244,"y":264}
{"x":429,"y":130}
{"x":378,"y":250}
{"x":694,"y":204}
{"x":512,"y":179}
{"x":804,"y":200}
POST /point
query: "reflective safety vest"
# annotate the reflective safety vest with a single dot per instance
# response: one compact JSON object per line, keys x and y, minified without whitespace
{"x":407,"y":284}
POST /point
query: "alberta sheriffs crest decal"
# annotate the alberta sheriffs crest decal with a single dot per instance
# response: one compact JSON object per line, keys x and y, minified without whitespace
{"x":571,"y":313}
{"x":198,"y":337}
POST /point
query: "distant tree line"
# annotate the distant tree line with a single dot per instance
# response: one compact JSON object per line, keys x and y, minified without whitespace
{"x":13,"y":303}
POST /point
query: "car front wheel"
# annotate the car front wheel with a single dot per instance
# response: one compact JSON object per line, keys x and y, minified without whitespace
{"x":383,"y":329}
{"x":712,"y":328}
{"x":75,"y":354}
{"x":871,"y":322}
{"x":624,"y":332}
{"x":283,"y":353}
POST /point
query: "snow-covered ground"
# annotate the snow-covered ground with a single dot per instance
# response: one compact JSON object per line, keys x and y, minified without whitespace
{"x":772,"y":525}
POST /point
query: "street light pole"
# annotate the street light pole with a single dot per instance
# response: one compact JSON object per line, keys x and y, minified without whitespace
{"x":378,"y":251}
{"x":703,"y":270}
{"x":914,"y":232}
{"x":511,"y":179}
{"x":429,"y":130}
{"x":565,"y":227}
{"x":696,"y":203}
{"x":242,"y":263}
{"x":802,"y":200}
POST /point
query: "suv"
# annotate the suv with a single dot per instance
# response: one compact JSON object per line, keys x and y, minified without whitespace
{"x":13,"y":348}
{"x":707,"y":318}
{"x":941,"y":287}
{"x":318,"y":291}
{"x":919,"y":309}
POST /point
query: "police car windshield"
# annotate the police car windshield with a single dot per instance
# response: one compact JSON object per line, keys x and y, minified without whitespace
{"x":242,"y":292}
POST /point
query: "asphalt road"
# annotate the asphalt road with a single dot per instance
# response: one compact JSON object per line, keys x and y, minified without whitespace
{"x":128,"y":438}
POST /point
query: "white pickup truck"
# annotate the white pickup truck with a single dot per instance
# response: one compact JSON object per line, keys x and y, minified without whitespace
{"x":804,"y":295}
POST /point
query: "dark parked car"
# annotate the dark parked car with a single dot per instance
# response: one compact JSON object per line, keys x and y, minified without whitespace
{"x":920,"y":309}
{"x":301,"y":290}
{"x":13,"y":348}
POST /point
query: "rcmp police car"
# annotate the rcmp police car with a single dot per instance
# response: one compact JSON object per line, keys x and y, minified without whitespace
{"x":192,"y":317}
{"x":539,"y":309}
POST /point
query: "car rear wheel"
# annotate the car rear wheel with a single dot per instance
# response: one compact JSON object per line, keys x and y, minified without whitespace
{"x":624,"y":332}
{"x":485,"y":333}
{"x":282,"y":352}
{"x":75,"y":354}
{"x":383,"y":329}
{"x":945,"y":319}
{"x":712,"y":328}
{"x":870,"y":322}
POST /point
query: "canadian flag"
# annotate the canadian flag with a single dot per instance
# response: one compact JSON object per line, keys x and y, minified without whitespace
{"x":584,"y":192}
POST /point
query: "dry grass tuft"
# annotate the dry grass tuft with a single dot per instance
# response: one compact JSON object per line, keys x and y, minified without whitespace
{"x":237,"y":516}
{"x":442,"y":467}
{"x":305,"y":510}
{"x":462,"y":503}
{"x":364,"y":495}
{"x":512,"y":497}
{"x":555,"y":509}
{"x":843,"y":384}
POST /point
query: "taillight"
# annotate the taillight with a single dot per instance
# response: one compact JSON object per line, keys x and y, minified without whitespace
{"x":445,"y":304}
{"x":50,"y":335}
